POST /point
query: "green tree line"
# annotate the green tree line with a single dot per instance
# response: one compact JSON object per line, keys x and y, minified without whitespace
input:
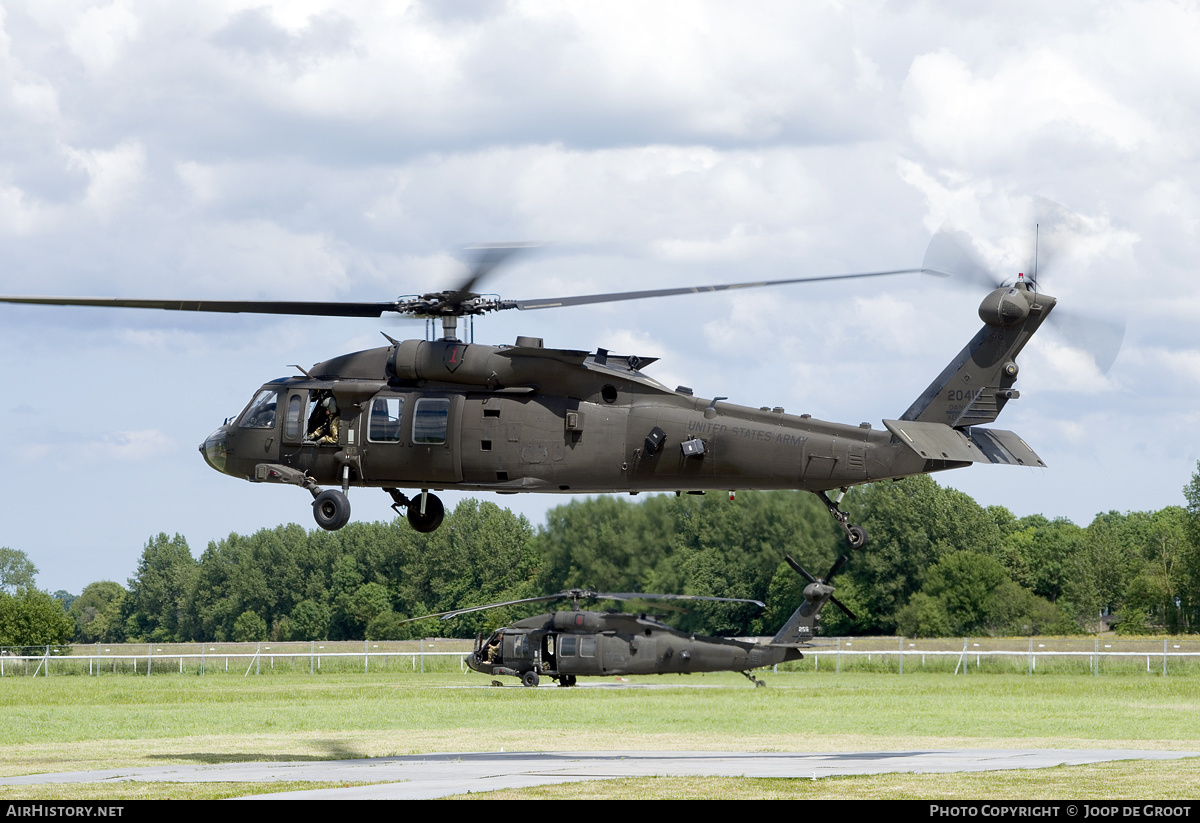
{"x":938,"y":564}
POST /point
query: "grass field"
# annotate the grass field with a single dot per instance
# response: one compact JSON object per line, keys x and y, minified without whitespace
{"x":77,"y":723}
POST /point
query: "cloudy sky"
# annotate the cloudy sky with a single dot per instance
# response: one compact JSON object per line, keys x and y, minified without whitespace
{"x":314,"y":150}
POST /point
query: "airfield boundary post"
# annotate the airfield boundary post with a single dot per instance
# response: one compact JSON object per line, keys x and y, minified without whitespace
{"x":252,"y":662}
{"x":962,"y":657}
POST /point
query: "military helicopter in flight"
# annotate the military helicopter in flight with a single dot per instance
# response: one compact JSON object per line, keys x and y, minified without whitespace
{"x":414,"y":417}
{"x":567,"y":645}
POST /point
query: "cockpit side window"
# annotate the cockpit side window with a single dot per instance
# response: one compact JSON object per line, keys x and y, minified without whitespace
{"x":431,"y":416}
{"x":384,"y":426}
{"x":293,"y":426}
{"x":260,"y":414}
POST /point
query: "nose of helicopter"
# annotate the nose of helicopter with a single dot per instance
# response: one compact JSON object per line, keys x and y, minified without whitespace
{"x":215,"y":449}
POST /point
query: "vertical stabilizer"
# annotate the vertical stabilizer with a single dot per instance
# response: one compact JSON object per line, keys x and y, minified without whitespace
{"x":801,"y":627}
{"x":975,"y":386}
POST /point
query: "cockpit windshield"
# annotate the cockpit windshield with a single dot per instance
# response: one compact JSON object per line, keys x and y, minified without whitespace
{"x":260,"y":414}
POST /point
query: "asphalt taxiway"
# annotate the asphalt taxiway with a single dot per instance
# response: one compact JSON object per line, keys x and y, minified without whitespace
{"x":420,"y":777}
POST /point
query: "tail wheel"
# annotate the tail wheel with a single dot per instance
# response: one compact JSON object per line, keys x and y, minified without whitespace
{"x":856,"y":536}
{"x":331,"y":510}
{"x":431,"y":519}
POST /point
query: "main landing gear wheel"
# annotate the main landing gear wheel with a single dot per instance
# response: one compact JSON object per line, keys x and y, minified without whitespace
{"x":331,"y":510}
{"x":431,"y":519}
{"x":530,"y":679}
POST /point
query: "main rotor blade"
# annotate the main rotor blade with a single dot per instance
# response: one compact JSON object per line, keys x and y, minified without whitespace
{"x":318,"y":309}
{"x":485,"y":259}
{"x":642,"y":596}
{"x":614,"y":297}
{"x":559,"y":596}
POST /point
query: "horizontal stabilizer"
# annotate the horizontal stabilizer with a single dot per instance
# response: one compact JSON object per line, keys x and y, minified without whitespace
{"x":937,"y":441}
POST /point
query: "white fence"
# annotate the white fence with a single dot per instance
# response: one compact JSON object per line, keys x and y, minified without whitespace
{"x":1040,"y":655}
{"x":204,"y":658}
{"x":1103,"y":653}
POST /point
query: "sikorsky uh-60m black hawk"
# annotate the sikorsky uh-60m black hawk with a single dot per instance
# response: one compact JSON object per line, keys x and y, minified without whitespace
{"x":418,"y":416}
{"x":567,"y":645}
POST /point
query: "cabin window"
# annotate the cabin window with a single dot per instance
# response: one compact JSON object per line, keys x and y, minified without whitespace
{"x":260,"y":414}
{"x":566,"y":646}
{"x":384,"y":426}
{"x":587,"y":647}
{"x":430,"y":418}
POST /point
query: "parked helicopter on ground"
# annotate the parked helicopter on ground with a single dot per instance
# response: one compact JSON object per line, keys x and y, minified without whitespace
{"x":567,"y":645}
{"x":428,"y":415}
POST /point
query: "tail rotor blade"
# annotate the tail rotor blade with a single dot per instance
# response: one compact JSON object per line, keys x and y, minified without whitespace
{"x":1053,"y":235}
{"x":952,"y":253}
{"x":839,"y":604}
{"x":1099,"y":337}
{"x":837,"y":567}
{"x":799,"y":569}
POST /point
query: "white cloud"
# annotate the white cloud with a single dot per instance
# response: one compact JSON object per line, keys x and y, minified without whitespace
{"x":114,"y":175}
{"x":101,"y":35}
{"x":962,"y":118}
{"x":311,"y":150}
{"x":140,"y":445}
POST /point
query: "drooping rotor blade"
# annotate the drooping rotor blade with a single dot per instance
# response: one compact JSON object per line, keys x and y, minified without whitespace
{"x":456,"y":612}
{"x":642,"y":596}
{"x":318,"y":309}
{"x":576,"y":594}
{"x":614,"y":297}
